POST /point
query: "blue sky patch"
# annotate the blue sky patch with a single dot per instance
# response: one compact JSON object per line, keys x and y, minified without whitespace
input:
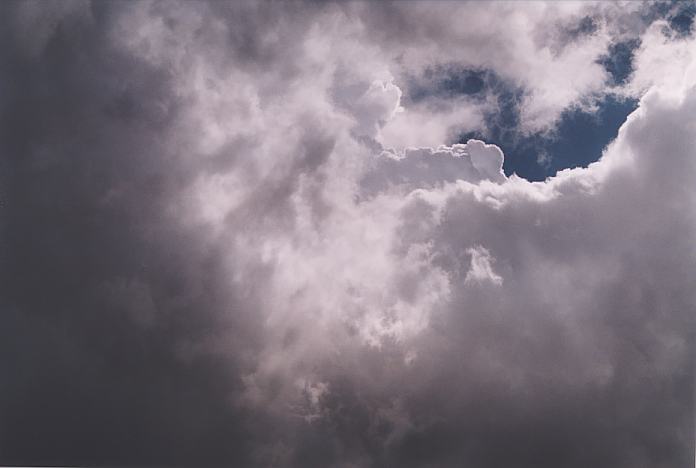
{"x":578,"y":140}
{"x":579,"y":137}
{"x":619,"y":61}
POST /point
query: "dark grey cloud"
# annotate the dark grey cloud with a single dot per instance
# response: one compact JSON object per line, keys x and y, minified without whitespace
{"x":212,"y":256}
{"x":101,"y":287}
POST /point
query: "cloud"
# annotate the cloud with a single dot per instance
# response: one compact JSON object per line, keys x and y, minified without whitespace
{"x":231,"y":236}
{"x":481,"y":269}
{"x":416,"y":168}
{"x":539,"y":47}
{"x":662,"y":60}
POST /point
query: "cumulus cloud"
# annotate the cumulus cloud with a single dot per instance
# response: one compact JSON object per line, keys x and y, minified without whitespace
{"x":232,"y":236}
{"x":550,"y":50}
{"x":481,"y":269}
{"x":416,"y":168}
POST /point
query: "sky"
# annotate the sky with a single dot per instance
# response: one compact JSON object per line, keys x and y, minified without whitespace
{"x":350,"y":234}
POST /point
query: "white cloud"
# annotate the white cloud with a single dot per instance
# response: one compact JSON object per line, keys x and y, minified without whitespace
{"x":416,"y":283}
{"x":529,"y":45}
{"x":481,"y":269}
{"x":366,"y":247}
{"x":663,"y":61}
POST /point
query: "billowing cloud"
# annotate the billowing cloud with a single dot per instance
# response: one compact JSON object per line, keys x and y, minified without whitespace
{"x":234,"y":236}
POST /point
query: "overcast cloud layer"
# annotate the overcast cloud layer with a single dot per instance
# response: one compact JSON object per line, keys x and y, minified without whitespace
{"x":248,"y":234}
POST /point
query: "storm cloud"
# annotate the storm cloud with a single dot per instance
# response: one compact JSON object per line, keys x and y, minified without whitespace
{"x":249,"y":234}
